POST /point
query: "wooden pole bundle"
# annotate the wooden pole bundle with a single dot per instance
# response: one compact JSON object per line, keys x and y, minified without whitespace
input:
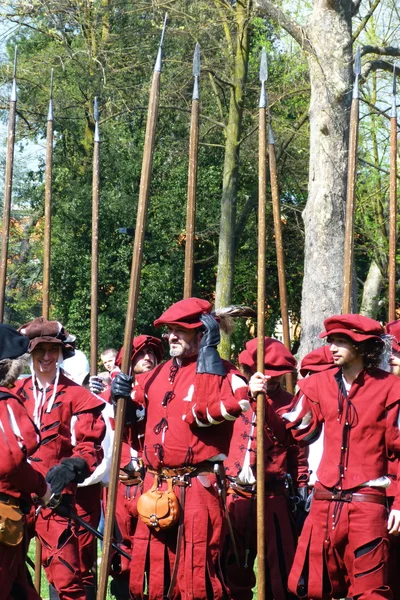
{"x":131,"y":314}
{"x":351,"y":191}
{"x":95,"y":243}
{"x":5,"y":233}
{"x":393,"y":206}
{"x":262,"y":187}
{"x":192,"y":177}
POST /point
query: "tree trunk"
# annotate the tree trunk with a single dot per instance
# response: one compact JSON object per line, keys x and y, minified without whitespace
{"x":226,"y":250}
{"x":371,"y":292}
{"x":330,"y":63}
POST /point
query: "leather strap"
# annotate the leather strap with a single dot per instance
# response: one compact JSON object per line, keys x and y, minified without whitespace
{"x":349,"y":497}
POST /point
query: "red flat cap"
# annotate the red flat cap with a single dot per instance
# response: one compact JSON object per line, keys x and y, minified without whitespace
{"x":356,"y":327}
{"x":393,"y":329}
{"x":41,"y":330}
{"x":185,"y":313}
{"x":277,"y":358}
{"x":316,"y":361}
{"x":140,"y":342}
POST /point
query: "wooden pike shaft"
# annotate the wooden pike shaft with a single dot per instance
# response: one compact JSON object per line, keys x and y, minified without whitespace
{"x":392,"y":219}
{"x":130,"y":326}
{"x":47,"y":220}
{"x":191,"y":199}
{"x":350,"y":209}
{"x":38,"y":561}
{"x":262,"y":183}
{"x":7,"y":204}
{"x":276,"y":209}
{"x":95,"y":259}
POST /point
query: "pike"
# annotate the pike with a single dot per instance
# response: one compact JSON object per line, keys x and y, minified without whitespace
{"x":95,"y":243}
{"x":8,"y":188}
{"x":393,"y":205}
{"x":131,"y":311}
{"x":262,"y":184}
{"x":47,"y":205}
{"x":192,"y":177}
{"x":351,"y":196}
{"x":276,"y":210}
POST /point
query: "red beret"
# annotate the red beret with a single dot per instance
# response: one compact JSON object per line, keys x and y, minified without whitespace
{"x":316,"y":361}
{"x":139,"y":343}
{"x":356,"y":327}
{"x":185,"y":313}
{"x":277,"y":358}
{"x":393,"y":329}
{"x":41,"y":330}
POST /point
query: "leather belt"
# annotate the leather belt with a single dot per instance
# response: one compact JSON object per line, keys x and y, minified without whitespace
{"x":191,"y":470}
{"x":343,"y":496}
{"x":7,"y":499}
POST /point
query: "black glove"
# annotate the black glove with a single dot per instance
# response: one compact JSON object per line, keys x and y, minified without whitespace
{"x":69,"y":470}
{"x":96,"y":385}
{"x":121,"y":387}
{"x":208,"y":359}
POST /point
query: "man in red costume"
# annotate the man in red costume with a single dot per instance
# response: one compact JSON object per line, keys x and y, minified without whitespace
{"x":147,"y":352}
{"x":19,"y":439}
{"x":286,"y":475}
{"x":72,"y":428}
{"x":191,"y":403}
{"x":343,"y":550}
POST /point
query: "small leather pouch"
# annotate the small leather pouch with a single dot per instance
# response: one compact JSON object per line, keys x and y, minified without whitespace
{"x":11,"y":524}
{"x":159,"y":509}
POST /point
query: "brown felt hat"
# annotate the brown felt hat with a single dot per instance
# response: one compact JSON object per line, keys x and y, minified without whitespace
{"x":42,"y":331}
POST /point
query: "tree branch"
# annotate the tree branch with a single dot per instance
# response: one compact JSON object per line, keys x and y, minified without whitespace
{"x":381,"y":50}
{"x":375,"y":65}
{"x":365,"y":20}
{"x":288,"y":24}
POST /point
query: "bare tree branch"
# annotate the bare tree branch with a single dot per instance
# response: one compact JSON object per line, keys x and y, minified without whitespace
{"x":355,"y":7}
{"x":365,"y":20}
{"x":288,"y":24}
{"x":376,"y":65}
{"x":381,"y":50}
{"x":381,"y":169}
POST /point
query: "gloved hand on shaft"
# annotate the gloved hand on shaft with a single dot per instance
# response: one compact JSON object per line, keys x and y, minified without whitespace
{"x":70,"y":470}
{"x":96,"y":385}
{"x":121,"y":387}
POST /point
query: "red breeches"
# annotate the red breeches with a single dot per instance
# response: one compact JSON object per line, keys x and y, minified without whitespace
{"x":14,"y":583}
{"x":88,"y":508}
{"x":343,"y":551}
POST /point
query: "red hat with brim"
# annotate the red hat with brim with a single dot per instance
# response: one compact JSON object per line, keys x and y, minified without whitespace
{"x":316,"y":361}
{"x":42,"y":331}
{"x":138,"y":344}
{"x":185,"y":313}
{"x":277,"y":358}
{"x":356,"y":327}
{"x":393,"y":329}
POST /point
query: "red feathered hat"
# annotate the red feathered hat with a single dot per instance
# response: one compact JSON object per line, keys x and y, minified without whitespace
{"x":393,"y":329}
{"x":139,"y":343}
{"x":185,"y":313}
{"x":41,"y":330}
{"x":316,"y":361}
{"x":356,"y":327}
{"x":277,"y":358}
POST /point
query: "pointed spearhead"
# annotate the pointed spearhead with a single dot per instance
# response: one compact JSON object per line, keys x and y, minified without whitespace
{"x":394,"y":99}
{"x":50,"y":115}
{"x":157,"y":66}
{"x":196,"y":72}
{"x":357,"y":72}
{"x":14,"y":84}
{"x":263,"y":79}
{"x":96,"y":120}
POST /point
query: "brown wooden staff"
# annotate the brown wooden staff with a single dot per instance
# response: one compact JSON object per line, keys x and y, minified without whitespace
{"x":95,"y":243}
{"x":262,"y":198}
{"x":192,"y":177}
{"x":47,"y":205}
{"x":276,"y":210}
{"x":393,"y":205}
{"x":351,"y":191}
{"x":8,"y":189}
{"x":131,"y":314}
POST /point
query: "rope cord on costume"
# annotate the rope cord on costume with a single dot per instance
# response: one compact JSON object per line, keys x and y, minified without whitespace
{"x":40,"y":402}
{"x":350,"y":419}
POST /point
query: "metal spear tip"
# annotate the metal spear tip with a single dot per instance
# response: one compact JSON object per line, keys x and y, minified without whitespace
{"x":357,"y":62}
{"x":51,"y":83}
{"x":196,"y":61}
{"x":15,"y":62}
{"x":263,"y":66}
{"x":96,"y":109}
{"x":163,"y":30}
{"x":394,"y":79}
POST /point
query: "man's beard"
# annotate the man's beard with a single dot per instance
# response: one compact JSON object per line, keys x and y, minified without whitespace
{"x":183,"y":352}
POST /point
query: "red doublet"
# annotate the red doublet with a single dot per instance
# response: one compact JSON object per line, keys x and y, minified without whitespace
{"x":18,"y":440}
{"x":73,"y":427}
{"x":280,"y":459}
{"x":360,"y":433}
{"x":170,"y":442}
